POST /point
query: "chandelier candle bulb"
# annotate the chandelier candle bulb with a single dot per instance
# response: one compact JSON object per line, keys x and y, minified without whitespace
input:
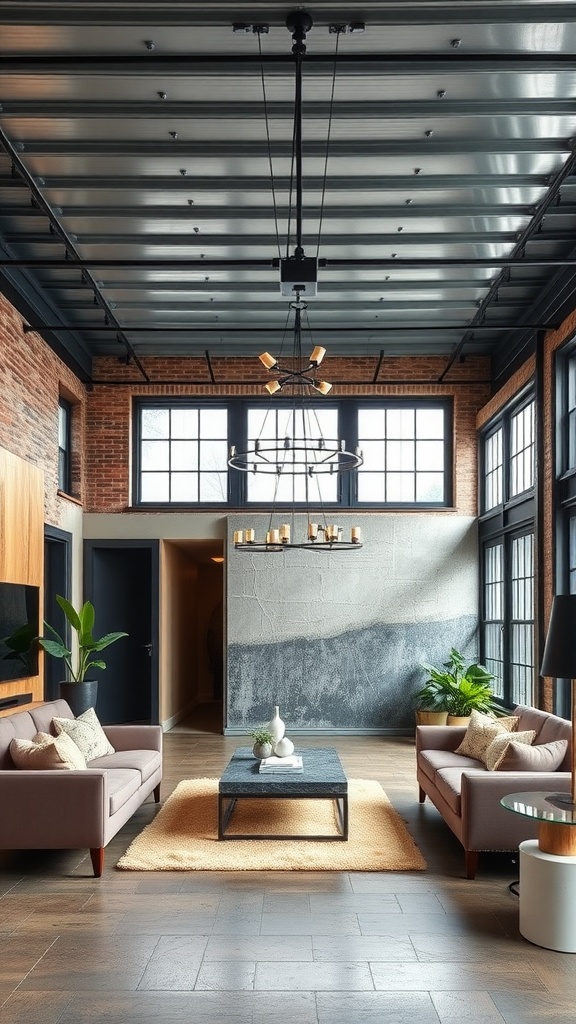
{"x":249,"y":536}
{"x":317,"y":355}
{"x":272,"y":387}
{"x":312,"y":531}
{"x":238,"y":536}
{"x":355,"y":534}
{"x":285,"y":533}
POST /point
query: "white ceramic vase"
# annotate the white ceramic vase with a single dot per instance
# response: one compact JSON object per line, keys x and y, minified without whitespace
{"x":276,"y":726}
{"x":284,"y":747}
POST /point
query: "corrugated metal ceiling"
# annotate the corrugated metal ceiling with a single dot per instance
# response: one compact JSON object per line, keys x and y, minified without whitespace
{"x":140,"y":142}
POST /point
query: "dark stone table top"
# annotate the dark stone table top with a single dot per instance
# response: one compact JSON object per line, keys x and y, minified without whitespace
{"x":322,"y":775}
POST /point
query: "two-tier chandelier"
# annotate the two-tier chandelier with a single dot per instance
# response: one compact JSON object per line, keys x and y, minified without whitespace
{"x":290,"y":443}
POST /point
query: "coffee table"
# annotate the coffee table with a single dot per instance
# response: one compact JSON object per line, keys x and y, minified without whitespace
{"x":322,"y":778}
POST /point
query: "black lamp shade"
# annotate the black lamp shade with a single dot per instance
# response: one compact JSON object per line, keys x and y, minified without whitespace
{"x":559,"y":659}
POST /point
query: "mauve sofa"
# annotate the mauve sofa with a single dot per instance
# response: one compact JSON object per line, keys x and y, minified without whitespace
{"x":468,"y":795}
{"x":56,"y":809}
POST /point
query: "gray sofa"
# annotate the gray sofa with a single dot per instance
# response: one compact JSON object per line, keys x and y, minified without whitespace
{"x":73,"y":809}
{"x":468,"y":795}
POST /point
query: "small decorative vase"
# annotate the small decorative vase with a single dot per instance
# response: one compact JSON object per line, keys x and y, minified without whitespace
{"x":261,"y":750}
{"x":284,"y":747}
{"x":276,"y":726}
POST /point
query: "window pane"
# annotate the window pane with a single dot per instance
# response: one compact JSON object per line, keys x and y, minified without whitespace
{"x":213,"y":487}
{"x":522,"y":450}
{"x":371,"y":423}
{"x":155,"y":455}
{"x":155,"y":423}
{"x":184,"y":487}
{"x":371,"y":487}
{"x":155,"y":487}
{"x":373,"y":452}
{"x":213,"y":455}
{"x":400,"y":487}
{"x":430,"y":455}
{"x":62,"y":426}
{"x":430,"y":423}
{"x":214,"y":423}
{"x":184,"y":423}
{"x":429,"y":487}
{"x":184,"y":455}
{"x":400,"y":456}
{"x":400,"y":423}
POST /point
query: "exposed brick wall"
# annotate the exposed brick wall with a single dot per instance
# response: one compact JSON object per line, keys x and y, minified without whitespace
{"x":109,"y":407}
{"x":32,"y":379}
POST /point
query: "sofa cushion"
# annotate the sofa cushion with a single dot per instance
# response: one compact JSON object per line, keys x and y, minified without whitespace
{"x":544,"y":757}
{"x":449,"y":783}
{"x":46,"y":752}
{"x":87,"y":733}
{"x":432,"y":761}
{"x":499,"y":745}
{"x":144,"y":761}
{"x":122,"y":784}
{"x":481,"y":731}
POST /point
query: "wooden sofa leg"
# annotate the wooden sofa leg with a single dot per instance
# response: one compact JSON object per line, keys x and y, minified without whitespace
{"x":157,"y":794}
{"x":471,"y":862}
{"x":97,"y":858}
{"x":421,"y":795}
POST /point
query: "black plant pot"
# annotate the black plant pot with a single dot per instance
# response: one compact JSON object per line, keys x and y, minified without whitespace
{"x":80,"y":696}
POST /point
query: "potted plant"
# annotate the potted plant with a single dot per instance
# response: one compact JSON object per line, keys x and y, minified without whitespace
{"x":430,"y":704}
{"x":80,"y":692}
{"x":263,"y":742}
{"x":458,"y":689}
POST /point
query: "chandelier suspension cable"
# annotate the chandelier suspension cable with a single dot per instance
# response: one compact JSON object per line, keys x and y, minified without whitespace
{"x":298,"y":457}
{"x":328,"y":134}
{"x":269,"y":147}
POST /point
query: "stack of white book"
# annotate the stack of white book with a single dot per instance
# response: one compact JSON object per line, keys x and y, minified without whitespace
{"x":279,"y":765}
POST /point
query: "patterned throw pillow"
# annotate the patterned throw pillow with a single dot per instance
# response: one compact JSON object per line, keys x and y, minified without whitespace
{"x":46,"y":752}
{"x":497,"y":749}
{"x":481,"y":731}
{"x":87,"y":734}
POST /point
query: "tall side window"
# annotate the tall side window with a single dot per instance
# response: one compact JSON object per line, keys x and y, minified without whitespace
{"x":506,"y":533}
{"x":183,"y":453}
{"x":64,"y":446}
{"x":406,"y":454}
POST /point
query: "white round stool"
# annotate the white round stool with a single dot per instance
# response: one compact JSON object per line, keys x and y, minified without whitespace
{"x":547,"y":898}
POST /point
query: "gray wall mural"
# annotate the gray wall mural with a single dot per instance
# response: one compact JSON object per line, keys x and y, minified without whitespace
{"x":337,"y":639}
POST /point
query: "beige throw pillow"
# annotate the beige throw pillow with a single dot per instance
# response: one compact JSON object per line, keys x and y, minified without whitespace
{"x":543,"y":757}
{"x":497,"y":749}
{"x":481,"y":731}
{"x":87,"y":734}
{"x":46,"y":752}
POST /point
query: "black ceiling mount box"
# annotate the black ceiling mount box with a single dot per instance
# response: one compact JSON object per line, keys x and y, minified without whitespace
{"x":299,"y":275}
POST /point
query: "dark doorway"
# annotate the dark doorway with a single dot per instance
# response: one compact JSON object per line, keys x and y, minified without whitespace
{"x":57,"y":580}
{"x":121,"y":580}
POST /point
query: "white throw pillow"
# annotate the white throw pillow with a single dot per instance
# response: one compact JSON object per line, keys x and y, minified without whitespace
{"x":46,"y":752}
{"x":497,"y":749}
{"x":87,"y":734}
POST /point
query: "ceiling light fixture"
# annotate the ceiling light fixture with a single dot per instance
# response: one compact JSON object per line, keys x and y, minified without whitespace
{"x":291,"y":444}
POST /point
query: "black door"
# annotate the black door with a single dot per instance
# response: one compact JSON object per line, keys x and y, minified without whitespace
{"x":121,"y":580}
{"x":57,"y":580}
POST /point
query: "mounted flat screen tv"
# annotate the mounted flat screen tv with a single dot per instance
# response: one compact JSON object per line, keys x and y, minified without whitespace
{"x":19,"y":627}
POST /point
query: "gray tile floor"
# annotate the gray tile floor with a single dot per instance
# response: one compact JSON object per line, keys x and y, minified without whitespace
{"x":291,"y":947}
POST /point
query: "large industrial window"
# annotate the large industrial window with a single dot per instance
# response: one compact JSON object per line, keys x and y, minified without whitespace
{"x":406,"y":456}
{"x":183,"y":455}
{"x":506,"y":530}
{"x":181,"y":451}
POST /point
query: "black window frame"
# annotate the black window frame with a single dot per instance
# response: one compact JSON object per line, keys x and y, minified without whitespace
{"x":237,"y":434}
{"x":563,"y":495}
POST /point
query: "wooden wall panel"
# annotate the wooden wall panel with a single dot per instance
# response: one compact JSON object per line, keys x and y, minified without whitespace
{"x":21,"y":542}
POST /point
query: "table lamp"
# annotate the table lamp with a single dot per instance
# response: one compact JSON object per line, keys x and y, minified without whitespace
{"x":559,"y":662}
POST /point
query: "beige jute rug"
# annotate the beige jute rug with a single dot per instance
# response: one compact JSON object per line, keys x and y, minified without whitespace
{"x":184,"y":834}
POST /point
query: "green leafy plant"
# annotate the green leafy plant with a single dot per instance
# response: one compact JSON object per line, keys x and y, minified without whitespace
{"x":262,"y":736}
{"x":82,"y":622}
{"x":458,"y":688}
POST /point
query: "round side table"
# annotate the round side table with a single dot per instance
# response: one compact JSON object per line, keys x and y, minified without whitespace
{"x":547,"y":870}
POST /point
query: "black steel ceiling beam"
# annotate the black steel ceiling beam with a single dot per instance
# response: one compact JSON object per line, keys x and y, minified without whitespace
{"x":86,"y":12}
{"x":227,"y":329}
{"x":195,"y":65}
{"x":238,"y":148}
{"x":254,"y":183}
{"x":270,"y":287}
{"x":238,"y":108}
{"x":415,"y":211}
{"x":171,"y":240}
{"x":375,"y":263}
